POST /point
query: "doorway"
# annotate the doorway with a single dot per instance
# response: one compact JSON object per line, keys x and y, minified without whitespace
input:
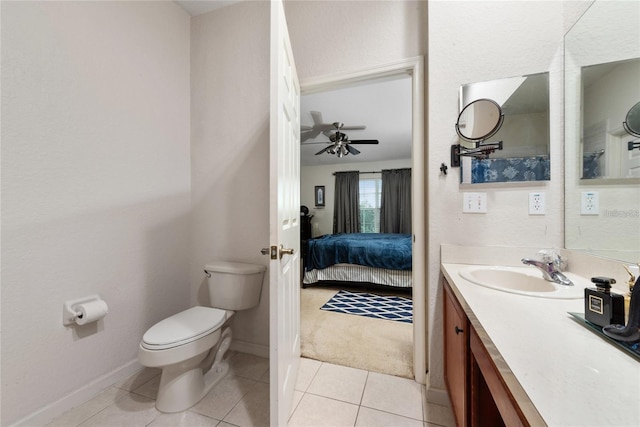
{"x":414,"y":69}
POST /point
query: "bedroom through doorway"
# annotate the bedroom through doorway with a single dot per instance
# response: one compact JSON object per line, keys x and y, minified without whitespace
{"x":378,"y":116}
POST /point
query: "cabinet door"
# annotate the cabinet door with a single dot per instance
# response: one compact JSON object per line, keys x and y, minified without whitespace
{"x":456,"y":356}
{"x":492,"y":403}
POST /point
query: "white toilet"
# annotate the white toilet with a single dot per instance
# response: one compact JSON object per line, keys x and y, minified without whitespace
{"x":190,"y":346}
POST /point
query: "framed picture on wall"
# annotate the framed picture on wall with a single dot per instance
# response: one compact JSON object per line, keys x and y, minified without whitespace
{"x":319,"y":195}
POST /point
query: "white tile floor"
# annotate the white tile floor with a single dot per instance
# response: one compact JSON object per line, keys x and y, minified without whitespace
{"x":326,"y":395}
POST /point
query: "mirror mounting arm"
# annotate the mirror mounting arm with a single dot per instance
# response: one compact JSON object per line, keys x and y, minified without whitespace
{"x":633,"y":144}
{"x":480,"y":151}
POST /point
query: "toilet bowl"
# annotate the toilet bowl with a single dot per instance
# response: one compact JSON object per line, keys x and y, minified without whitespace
{"x":190,"y":346}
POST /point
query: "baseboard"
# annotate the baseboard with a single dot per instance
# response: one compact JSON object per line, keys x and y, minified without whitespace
{"x":438,"y":396}
{"x":47,"y":413}
{"x":250,"y":348}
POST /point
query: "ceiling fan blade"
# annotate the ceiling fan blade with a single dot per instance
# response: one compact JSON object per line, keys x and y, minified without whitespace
{"x":324,"y":150}
{"x":353,"y":128}
{"x":317,"y":117}
{"x":364,"y":141}
{"x":352,"y":150}
{"x":310,"y":134}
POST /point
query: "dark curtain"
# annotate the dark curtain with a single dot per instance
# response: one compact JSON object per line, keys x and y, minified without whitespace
{"x":346,"y":205}
{"x":395,"y":205}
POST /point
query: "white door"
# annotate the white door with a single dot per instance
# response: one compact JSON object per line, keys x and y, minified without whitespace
{"x":284,"y":220}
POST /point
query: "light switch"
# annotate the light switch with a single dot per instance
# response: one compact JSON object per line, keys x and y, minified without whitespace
{"x":474,"y":203}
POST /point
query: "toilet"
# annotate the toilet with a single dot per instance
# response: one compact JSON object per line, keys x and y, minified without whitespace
{"x":190,"y":346}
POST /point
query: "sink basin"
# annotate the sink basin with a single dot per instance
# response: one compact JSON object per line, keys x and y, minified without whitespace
{"x":521,"y":280}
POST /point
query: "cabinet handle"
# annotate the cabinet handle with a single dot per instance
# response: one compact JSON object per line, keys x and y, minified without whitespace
{"x":458,"y":330}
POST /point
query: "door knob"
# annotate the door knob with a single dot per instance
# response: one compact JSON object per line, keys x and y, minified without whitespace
{"x":284,"y":251}
{"x":273,"y":251}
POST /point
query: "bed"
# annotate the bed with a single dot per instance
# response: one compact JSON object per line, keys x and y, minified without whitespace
{"x":369,"y":259}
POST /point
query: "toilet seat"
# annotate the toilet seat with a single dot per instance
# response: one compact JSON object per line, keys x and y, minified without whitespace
{"x":183,"y":328}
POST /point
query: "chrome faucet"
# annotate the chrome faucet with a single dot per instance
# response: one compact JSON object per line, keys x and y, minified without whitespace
{"x":549,"y":271}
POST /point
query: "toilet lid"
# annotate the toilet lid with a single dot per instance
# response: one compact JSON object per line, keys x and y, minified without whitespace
{"x":183,"y":328}
{"x":234,"y":267}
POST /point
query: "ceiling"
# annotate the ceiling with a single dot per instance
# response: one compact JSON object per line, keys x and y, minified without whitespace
{"x":198,"y":7}
{"x":382,"y":105}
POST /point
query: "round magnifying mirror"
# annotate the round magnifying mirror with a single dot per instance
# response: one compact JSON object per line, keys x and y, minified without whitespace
{"x":632,"y":121}
{"x":479,"y":120}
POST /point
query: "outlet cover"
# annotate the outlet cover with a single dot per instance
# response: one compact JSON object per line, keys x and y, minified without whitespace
{"x":474,"y":203}
{"x":589,"y":203}
{"x":537,"y":203}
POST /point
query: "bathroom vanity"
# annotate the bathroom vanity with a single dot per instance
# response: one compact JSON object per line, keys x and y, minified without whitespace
{"x":514,"y":359}
{"x":479,"y":395}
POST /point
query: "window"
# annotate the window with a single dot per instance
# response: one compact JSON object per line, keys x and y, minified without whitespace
{"x":370,"y":192}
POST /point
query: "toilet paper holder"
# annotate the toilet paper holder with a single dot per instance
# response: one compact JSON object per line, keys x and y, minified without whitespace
{"x":69,"y":311}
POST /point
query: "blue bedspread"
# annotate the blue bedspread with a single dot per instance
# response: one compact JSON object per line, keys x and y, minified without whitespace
{"x":390,"y":251}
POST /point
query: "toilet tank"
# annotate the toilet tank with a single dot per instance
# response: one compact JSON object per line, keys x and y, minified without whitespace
{"x":234,"y":285}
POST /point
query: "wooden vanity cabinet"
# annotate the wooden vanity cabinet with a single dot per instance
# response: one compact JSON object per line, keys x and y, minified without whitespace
{"x":478,"y":394}
{"x":456,"y":356}
{"x":491,"y":402}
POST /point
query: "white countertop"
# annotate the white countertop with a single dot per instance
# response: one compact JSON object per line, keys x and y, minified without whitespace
{"x":571,"y":375}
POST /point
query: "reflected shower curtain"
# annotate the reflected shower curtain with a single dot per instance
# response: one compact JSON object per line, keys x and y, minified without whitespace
{"x":395,"y":205}
{"x":346,"y":207}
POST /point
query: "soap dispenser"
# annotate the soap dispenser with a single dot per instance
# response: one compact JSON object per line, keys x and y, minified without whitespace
{"x":601,"y":307}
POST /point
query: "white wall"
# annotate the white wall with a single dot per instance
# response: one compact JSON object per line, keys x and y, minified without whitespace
{"x":331,"y":37}
{"x":230,"y":152}
{"x":95,"y":187}
{"x":311,"y":176}
{"x":477,"y":41}
{"x":611,"y":96}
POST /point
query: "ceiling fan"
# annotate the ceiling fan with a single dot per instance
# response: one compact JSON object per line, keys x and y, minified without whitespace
{"x":340,"y":143}
{"x":310,"y":132}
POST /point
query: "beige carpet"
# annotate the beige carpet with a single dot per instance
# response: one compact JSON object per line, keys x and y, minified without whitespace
{"x":384,"y":346}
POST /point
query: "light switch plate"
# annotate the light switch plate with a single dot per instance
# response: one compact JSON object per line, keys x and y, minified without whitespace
{"x":537,"y":203}
{"x":589,"y":203}
{"x":474,"y":203}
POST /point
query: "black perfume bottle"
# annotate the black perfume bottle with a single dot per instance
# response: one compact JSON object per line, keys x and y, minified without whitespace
{"x":601,"y":307}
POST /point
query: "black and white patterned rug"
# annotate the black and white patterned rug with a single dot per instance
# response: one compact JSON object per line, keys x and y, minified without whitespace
{"x":380,"y":307}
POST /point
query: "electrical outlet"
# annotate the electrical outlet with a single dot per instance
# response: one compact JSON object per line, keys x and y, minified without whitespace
{"x":589,"y":203}
{"x":474,"y":203}
{"x":536,"y":203}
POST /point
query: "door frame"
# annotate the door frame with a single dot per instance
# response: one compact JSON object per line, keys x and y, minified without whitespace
{"x":414,"y":67}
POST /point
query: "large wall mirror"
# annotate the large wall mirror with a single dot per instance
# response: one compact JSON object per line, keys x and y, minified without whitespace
{"x":602,"y":84}
{"x":524,"y":101}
